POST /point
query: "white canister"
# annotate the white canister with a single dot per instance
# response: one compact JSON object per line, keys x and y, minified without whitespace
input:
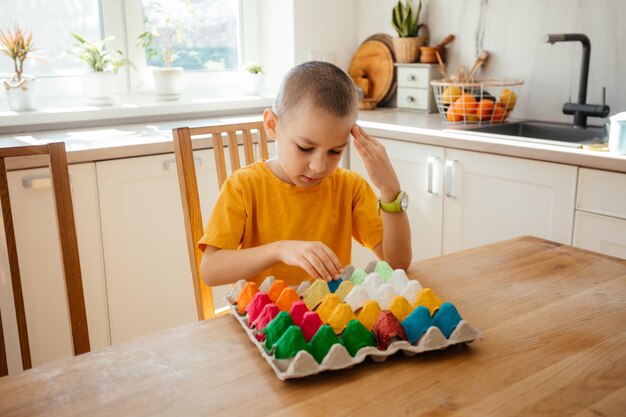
{"x":98,"y":87}
{"x":617,"y":133}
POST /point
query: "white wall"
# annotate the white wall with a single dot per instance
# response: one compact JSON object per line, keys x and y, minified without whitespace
{"x":276,"y":40}
{"x":326,"y":30}
{"x":292,"y":32}
{"x":512,"y":32}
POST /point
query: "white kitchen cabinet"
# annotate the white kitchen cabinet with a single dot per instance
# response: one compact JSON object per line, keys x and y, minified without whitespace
{"x":40,"y":266}
{"x":602,"y":192}
{"x":461,"y":199}
{"x":147,"y":266}
{"x":600,"y":223}
{"x":419,"y":169}
{"x":490,"y":198}
{"x":145,"y":252}
{"x":602,"y":234}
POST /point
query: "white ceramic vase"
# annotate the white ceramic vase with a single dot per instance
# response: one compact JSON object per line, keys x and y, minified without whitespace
{"x":21,"y":96}
{"x":251,"y":83}
{"x":166,"y":81}
{"x":98,"y":87}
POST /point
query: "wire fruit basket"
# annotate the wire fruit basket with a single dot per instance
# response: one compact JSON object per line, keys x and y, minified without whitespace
{"x":480,"y":102}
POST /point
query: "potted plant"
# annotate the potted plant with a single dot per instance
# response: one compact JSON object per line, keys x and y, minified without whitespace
{"x":17,"y":44}
{"x":251,"y":78}
{"x":104,"y":64}
{"x":406,"y":45}
{"x":162,"y":40}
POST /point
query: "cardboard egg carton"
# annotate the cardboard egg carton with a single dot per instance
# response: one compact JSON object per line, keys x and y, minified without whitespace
{"x":338,"y":357}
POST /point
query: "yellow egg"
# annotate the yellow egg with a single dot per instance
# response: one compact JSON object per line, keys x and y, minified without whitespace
{"x":508,"y":99}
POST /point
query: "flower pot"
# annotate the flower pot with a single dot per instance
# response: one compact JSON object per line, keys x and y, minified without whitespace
{"x":407,"y":49}
{"x":98,"y":88}
{"x":251,"y":83}
{"x":21,"y":95}
{"x":166,"y":82}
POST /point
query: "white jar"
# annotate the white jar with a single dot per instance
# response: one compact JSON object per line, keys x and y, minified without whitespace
{"x":617,"y":133}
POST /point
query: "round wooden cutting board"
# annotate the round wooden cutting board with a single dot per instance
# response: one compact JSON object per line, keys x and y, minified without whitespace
{"x":375,"y":59}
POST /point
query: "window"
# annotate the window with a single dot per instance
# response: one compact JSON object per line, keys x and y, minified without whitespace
{"x":50,"y":23}
{"x":196,"y":34}
{"x":210,"y":51}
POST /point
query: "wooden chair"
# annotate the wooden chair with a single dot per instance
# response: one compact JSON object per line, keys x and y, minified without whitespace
{"x":189,"y":187}
{"x":69,"y":250}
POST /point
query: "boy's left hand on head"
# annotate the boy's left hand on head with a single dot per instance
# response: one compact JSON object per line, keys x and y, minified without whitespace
{"x":377,"y":163}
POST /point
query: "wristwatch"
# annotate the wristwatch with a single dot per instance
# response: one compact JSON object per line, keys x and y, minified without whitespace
{"x":399,"y":205}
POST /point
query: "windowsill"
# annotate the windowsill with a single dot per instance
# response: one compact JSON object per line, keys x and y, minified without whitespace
{"x":72,"y":112}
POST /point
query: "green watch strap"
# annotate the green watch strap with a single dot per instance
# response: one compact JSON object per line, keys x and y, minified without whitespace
{"x":396,"y":206}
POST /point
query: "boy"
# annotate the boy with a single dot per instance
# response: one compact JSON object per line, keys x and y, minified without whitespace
{"x":294,"y":216}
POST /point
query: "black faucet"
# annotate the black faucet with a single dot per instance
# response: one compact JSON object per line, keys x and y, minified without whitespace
{"x":580,"y":110}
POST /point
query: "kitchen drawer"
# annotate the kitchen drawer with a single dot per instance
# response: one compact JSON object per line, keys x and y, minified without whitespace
{"x":413,"y":98}
{"x":600,"y":234}
{"x":602,"y":192}
{"x":418,"y":77}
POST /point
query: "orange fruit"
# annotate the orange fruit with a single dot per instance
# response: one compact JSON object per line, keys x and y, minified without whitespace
{"x":499,"y":113}
{"x":466,"y":105}
{"x":452,"y":115}
{"x":485,"y":109}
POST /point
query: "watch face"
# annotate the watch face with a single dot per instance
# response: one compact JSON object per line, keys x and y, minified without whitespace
{"x":404,"y":201}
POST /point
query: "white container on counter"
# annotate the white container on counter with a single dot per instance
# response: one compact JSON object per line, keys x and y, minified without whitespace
{"x":617,"y":133}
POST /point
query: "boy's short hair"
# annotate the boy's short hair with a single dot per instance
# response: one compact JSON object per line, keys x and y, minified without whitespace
{"x":320,"y":84}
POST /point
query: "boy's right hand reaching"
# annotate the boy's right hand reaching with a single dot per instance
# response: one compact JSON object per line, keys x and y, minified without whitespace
{"x":317,"y":259}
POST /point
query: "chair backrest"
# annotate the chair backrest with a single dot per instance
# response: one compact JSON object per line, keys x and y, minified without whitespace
{"x":237,"y":134}
{"x":69,"y":250}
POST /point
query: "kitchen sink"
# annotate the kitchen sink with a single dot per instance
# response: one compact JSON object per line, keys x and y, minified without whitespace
{"x":559,"y":132}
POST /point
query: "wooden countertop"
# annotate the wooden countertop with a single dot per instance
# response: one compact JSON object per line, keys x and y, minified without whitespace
{"x":140,"y":139}
{"x":555,"y":344}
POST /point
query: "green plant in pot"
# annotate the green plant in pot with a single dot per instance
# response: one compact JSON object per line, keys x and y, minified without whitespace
{"x":17,"y":44}
{"x":103,"y":63}
{"x":406,"y":23}
{"x":254,"y":69}
{"x":163,"y":40}
{"x":251,"y":78}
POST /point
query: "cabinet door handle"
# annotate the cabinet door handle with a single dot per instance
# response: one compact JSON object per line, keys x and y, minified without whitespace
{"x":431,"y":160}
{"x":38,"y":181}
{"x":169,"y":163}
{"x":411,"y":77}
{"x":450,"y":176}
{"x":410,"y":99}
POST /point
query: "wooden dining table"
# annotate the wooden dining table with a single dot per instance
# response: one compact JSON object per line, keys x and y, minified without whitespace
{"x":553,"y":319}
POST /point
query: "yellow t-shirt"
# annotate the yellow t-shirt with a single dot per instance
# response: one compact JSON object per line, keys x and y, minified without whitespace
{"x":255,"y":208}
